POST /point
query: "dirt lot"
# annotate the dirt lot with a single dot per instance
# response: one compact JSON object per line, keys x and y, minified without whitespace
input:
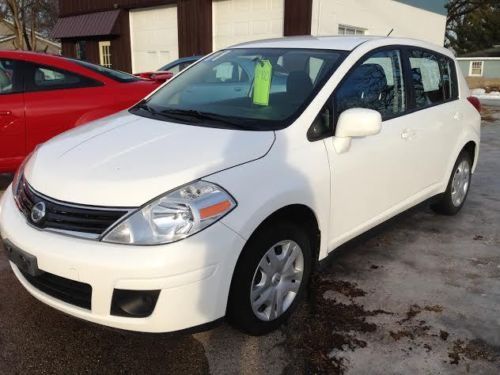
{"x":421,"y":294}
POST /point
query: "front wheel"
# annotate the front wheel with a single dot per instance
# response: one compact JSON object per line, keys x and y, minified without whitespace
{"x":270,"y":278}
{"x":458,"y":187}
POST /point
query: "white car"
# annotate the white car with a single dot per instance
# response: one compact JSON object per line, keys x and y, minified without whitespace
{"x":187,"y":209}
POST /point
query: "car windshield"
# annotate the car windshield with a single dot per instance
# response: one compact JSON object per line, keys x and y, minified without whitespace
{"x":116,"y":75}
{"x":244,"y":88}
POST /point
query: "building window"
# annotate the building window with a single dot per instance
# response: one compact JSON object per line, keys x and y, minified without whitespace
{"x":476,"y":68}
{"x":80,"y":50}
{"x":351,"y":30}
{"x":105,"y":53}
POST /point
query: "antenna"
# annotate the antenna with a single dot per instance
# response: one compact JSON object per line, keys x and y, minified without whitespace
{"x":390,"y":32}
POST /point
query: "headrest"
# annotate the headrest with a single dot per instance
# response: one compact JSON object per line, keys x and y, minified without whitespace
{"x":370,"y":72}
{"x":299,"y":84}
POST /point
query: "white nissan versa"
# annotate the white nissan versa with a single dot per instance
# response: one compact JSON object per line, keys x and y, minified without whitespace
{"x":218,"y":194}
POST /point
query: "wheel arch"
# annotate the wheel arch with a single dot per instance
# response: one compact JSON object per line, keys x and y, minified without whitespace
{"x":299,"y":214}
{"x":471,"y":148}
{"x":469,"y":145}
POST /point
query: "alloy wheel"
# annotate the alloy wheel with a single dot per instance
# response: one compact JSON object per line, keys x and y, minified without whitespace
{"x":460,"y":183}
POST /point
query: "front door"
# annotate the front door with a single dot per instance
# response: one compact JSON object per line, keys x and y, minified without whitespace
{"x":12,"y":121}
{"x":56,"y":100}
{"x":371,"y":178}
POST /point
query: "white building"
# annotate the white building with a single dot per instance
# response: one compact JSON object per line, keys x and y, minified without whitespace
{"x":141,"y":35}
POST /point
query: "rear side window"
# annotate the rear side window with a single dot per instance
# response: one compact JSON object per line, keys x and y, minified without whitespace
{"x":10,"y":77}
{"x":179,"y":67}
{"x":433,"y":78}
{"x":375,"y":84}
{"x":41,"y":78}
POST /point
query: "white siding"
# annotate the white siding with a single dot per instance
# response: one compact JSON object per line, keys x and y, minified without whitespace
{"x":236,"y":21}
{"x":154,"y":40}
{"x":378,"y":17}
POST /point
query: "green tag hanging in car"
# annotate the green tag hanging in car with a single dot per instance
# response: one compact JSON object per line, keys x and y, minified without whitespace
{"x":262,"y":82}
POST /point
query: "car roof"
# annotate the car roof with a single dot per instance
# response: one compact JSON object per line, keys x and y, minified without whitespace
{"x":342,"y":43}
{"x":313,"y":42}
{"x":31,"y":56}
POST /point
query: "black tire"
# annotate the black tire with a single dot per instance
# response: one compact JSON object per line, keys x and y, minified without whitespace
{"x":445,"y":205}
{"x":239,"y":311}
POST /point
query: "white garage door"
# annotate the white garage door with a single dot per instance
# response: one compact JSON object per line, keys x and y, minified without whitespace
{"x":153,"y":35}
{"x":236,"y":21}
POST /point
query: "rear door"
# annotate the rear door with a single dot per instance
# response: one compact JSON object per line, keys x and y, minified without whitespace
{"x":433,"y":126}
{"x":57,"y":99}
{"x":12,"y":121}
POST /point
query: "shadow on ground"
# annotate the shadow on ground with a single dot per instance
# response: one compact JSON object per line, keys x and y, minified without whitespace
{"x":36,"y":339}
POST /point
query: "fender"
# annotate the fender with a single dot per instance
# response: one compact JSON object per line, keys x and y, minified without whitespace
{"x":301,"y":177}
{"x":460,"y":146}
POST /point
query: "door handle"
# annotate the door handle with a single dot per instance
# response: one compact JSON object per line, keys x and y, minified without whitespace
{"x":408,"y":134}
{"x":5,"y":113}
{"x":405,"y":134}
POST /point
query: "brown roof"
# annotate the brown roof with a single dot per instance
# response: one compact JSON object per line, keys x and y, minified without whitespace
{"x":91,"y":24}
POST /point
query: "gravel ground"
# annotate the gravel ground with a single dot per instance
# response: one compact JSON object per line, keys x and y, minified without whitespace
{"x":419,"y":294}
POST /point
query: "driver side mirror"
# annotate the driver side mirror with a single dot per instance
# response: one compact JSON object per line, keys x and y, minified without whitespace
{"x":355,"y":122}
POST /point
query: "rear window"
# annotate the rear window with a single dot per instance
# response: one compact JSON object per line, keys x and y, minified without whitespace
{"x":115,"y":75}
{"x":433,"y":77}
{"x":42,"y":78}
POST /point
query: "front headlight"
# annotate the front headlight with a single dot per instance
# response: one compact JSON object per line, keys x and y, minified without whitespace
{"x":16,"y":181}
{"x":20,"y":172}
{"x":174,"y":216}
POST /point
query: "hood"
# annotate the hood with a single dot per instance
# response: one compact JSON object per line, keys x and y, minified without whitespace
{"x":126,"y":160}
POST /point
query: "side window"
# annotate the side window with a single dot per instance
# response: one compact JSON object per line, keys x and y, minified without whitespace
{"x":179,"y":67}
{"x":314,"y":67}
{"x":433,"y":77}
{"x":376,"y":84}
{"x":450,"y":81}
{"x":10,"y":77}
{"x":40,"y":78}
{"x":175,"y":69}
{"x":184,"y":65}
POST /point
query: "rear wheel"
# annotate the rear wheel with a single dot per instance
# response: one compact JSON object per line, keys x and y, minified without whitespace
{"x":270,"y":278}
{"x":458,"y":187}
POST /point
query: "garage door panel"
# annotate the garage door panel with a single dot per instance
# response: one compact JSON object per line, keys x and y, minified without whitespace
{"x":154,"y":40}
{"x":243,"y":20}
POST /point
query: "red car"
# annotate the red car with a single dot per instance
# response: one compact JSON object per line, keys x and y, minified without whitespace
{"x":43,"y":95}
{"x":168,"y":71}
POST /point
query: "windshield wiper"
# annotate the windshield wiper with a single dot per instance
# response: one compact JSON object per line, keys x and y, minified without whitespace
{"x":192,"y":113}
{"x":145,"y":106}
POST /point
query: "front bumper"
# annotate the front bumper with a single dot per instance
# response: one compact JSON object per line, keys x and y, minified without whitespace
{"x":193,"y":275}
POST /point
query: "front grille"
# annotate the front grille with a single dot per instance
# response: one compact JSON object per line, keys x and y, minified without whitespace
{"x":70,"y":291}
{"x":66,"y":217}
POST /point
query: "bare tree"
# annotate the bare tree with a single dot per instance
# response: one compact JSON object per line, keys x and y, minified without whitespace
{"x":29,"y":18}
